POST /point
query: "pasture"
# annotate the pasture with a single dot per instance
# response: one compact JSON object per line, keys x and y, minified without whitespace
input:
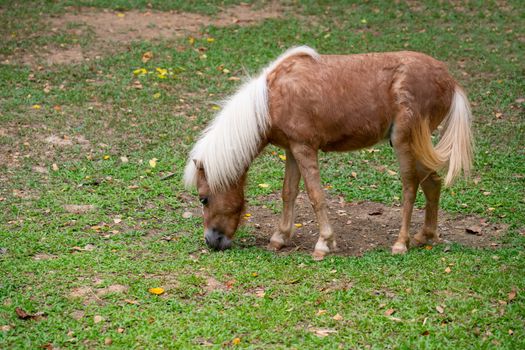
{"x":101,"y":246}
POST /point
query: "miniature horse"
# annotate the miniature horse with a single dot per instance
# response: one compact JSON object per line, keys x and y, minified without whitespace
{"x":305,"y":102}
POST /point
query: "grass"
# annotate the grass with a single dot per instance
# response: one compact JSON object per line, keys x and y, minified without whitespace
{"x":265,"y":300}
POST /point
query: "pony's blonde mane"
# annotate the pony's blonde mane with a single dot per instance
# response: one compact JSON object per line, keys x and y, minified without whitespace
{"x":231,"y":142}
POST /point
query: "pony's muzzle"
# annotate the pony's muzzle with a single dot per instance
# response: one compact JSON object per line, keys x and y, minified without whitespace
{"x":217,"y":240}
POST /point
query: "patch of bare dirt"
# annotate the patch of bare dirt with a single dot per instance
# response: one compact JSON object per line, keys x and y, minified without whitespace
{"x":65,"y":56}
{"x":95,"y":295}
{"x":365,"y":226}
{"x":79,"y":208}
{"x":113,"y":29}
{"x":125,"y":27}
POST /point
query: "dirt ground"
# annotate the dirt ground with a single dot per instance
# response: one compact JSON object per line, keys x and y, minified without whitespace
{"x":111,"y":30}
{"x":364,"y":226}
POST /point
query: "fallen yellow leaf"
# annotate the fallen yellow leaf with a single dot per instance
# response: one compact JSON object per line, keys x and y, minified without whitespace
{"x":247,"y":215}
{"x":140,"y":71}
{"x":210,"y":40}
{"x":120,"y":14}
{"x":36,"y":106}
{"x":156,"y":291}
{"x":255,"y":274}
{"x":106,"y":157}
{"x":161,"y":71}
{"x":236,"y":341}
{"x":156,"y":95}
{"x":191,"y":40}
{"x":215,"y":108}
{"x":283,"y":157}
{"x":264,"y":185}
{"x":298,"y":225}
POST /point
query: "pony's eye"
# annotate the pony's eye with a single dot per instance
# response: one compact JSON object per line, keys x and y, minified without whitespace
{"x":203,"y":200}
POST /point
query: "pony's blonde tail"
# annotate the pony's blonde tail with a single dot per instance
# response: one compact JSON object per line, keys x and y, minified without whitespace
{"x":455,"y":148}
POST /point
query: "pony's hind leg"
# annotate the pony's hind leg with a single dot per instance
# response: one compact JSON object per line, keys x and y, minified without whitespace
{"x":307,"y":160}
{"x":431,"y":185}
{"x":292,"y":176}
{"x":409,"y":179}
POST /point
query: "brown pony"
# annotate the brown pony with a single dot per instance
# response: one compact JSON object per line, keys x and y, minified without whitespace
{"x":305,"y":102}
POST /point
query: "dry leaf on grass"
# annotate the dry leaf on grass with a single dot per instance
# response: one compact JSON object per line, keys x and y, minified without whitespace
{"x":98,"y":319}
{"x":322,"y":332}
{"x":440,"y":309}
{"x":87,"y":248}
{"x":260,"y":293}
{"x":512,"y":295}
{"x":6,"y":328}
{"x":391,"y":172}
{"x":147,"y":56}
{"x":389,"y":312}
{"x":24,"y":315}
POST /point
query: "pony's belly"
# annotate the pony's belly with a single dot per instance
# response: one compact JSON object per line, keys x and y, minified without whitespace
{"x":350,"y":143}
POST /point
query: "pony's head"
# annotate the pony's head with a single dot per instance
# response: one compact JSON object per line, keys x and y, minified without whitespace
{"x":221,"y":209}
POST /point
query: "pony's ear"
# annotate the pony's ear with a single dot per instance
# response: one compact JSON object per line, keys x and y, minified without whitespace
{"x":198,"y":164}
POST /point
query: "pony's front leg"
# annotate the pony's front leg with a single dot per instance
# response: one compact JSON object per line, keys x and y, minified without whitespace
{"x":306,"y":158}
{"x":292,"y":176}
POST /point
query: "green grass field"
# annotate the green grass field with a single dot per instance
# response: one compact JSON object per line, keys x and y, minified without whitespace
{"x":82,"y":124}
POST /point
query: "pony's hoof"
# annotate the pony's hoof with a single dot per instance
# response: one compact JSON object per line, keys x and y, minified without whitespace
{"x":275,"y":245}
{"x":422,"y":238}
{"x":419,"y":240}
{"x":318,"y":255}
{"x":399,"y":248}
